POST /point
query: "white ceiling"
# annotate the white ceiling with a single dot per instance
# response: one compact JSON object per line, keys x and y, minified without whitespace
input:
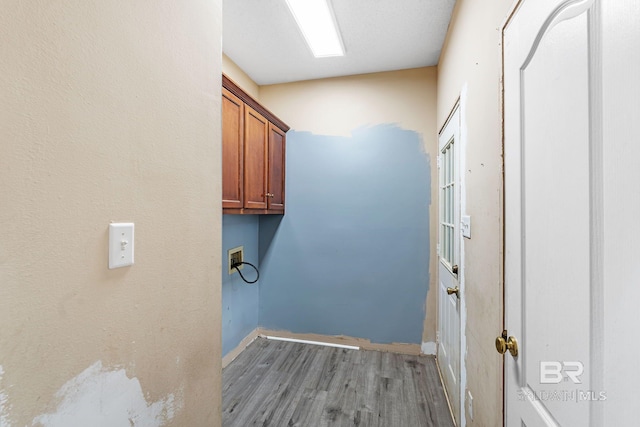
{"x":262,"y":38}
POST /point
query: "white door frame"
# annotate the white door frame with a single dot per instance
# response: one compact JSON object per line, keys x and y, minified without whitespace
{"x":457,"y":112}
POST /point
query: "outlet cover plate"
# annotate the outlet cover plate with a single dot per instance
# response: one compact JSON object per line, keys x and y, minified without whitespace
{"x":231,"y":252}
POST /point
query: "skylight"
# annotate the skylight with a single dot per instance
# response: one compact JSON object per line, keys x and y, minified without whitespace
{"x":316,"y":23}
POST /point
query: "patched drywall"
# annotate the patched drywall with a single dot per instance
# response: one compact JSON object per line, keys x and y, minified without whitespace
{"x":103,"y":397}
{"x":4,"y":402}
{"x":336,"y":106}
{"x":239,"y":299}
{"x":351,"y":255}
{"x":110,"y":111}
{"x":471,"y":60}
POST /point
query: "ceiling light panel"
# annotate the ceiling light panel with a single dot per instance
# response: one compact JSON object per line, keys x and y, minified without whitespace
{"x":316,"y":22}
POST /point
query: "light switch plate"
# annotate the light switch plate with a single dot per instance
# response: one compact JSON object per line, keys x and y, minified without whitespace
{"x":120,"y":244}
{"x":465,"y":226}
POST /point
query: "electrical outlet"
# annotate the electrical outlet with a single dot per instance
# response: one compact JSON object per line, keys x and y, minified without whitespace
{"x":236,"y":255}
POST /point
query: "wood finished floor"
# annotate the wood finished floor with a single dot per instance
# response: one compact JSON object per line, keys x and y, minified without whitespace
{"x":277,"y":383}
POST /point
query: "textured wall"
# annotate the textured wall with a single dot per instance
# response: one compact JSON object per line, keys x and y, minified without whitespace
{"x":110,"y":111}
{"x":338,"y":106}
{"x":471,"y":58}
{"x":239,"y":299}
{"x":351,"y":256}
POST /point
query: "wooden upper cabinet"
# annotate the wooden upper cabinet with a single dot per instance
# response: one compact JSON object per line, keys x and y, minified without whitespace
{"x":255,"y":159}
{"x":253,"y":155}
{"x":275,"y":183}
{"x":232,"y":150}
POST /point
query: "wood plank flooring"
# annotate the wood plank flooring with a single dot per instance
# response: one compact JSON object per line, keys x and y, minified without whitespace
{"x":277,"y":383}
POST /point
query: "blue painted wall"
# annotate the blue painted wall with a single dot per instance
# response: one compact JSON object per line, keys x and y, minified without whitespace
{"x":351,"y":255}
{"x":239,"y":300}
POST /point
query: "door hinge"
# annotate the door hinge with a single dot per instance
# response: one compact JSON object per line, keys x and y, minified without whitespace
{"x":439,"y":161}
{"x":438,"y":249}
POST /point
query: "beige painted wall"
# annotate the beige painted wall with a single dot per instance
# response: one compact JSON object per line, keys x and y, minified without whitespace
{"x":110,"y":111}
{"x":471,"y":58}
{"x":337,"y":106}
{"x":241,"y":78}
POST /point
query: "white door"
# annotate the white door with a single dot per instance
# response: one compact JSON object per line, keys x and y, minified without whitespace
{"x":572,"y":190}
{"x":449,"y":293}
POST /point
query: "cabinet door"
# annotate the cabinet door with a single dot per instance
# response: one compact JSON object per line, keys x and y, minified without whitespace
{"x":255,"y":159}
{"x":232,"y":150}
{"x":275,"y":187}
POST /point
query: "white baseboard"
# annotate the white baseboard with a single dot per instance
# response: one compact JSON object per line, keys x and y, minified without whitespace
{"x":326,"y":344}
{"x":428,"y":348}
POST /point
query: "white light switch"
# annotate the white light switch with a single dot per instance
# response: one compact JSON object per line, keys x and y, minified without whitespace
{"x":465,"y":226}
{"x":120,"y":244}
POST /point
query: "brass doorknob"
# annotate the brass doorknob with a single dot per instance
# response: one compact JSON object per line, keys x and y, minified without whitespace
{"x":451,"y":291}
{"x":503,"y":344}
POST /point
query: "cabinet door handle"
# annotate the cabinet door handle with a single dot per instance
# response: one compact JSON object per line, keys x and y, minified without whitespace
{"x":269,"y":194}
